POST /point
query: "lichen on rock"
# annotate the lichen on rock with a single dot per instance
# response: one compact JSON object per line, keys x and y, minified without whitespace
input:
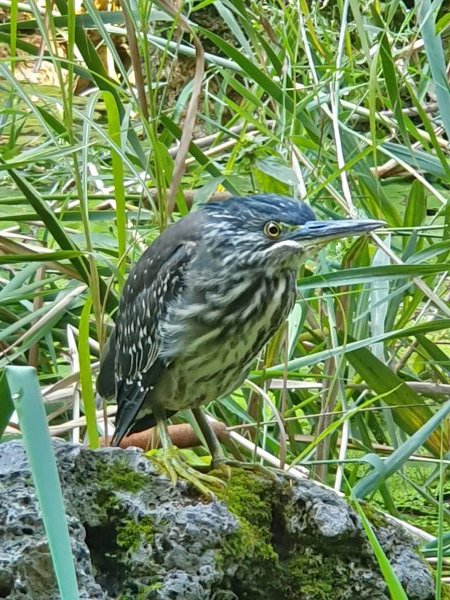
{"x":135,"y":536}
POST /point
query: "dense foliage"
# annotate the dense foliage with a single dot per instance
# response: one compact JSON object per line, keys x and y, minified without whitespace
{"x":343,"y":104}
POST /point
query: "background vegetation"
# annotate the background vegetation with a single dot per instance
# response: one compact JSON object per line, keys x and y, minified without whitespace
{"x":117,"y":119}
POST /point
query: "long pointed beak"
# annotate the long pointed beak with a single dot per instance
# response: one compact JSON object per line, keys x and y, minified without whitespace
{"x":319,"y":232}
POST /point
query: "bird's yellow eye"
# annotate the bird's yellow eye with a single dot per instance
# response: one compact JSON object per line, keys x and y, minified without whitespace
{"x":272,"y":230}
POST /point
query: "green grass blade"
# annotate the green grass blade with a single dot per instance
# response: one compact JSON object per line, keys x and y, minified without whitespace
{"x":368,"y":274}
{"x":311,"y":359}
{"x":252,"y":71}
{"x":6,"y":404}
{"x":42,"y":258}
{"x":99,"y":74}
{"x":395,"y":587}
{"x":440,"y":533}
{"x":50,"y":221}
{"x":113,"y":116}
{"x":17,"y":282}
{"x":436,"y":249}
{"x":397,"y":394}
{"x":58,"y":232}
{"x":426,"y":12}
{"x":432,"y":547}
{"x":400,"y":456}
{"x":26,"y":395}
{"x":416,"y":208}
{"x":199,"y":156}
{"x":27,"y":318}
{"x":84,"y":20}
{"x":86,"y":376}
{"x":415,"y":158}
{"x":392,"y":85}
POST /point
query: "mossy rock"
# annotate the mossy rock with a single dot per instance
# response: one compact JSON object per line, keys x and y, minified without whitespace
{"x":135,"y":536}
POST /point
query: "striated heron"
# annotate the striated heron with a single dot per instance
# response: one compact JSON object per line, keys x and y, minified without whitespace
{"x":200,"y":304}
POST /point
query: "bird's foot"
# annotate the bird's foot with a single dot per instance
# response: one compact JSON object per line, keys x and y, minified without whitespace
{"x":224,"y":463}
{"x":172,"y":462}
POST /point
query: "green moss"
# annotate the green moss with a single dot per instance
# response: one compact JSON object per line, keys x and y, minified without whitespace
{"x":312,"y":576}
{"x":250,"y":498}
{"x":375,"y":516}
{"x":143,"y":593}
{"x":120,"y":476}
{"x":116,"y":478}
{"x":445,"y":595}
{"x":268,"y":562}
{"x":263,"y":572}
{"x":146,"y":591}
{"x":131,"y":534}
{"x":257,"y":559}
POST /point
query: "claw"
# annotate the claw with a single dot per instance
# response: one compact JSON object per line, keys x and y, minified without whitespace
{"x":172,"y":462}
{"x":219,"y":463}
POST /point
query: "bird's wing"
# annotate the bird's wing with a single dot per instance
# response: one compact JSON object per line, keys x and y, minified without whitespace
{"x":155,"y":281}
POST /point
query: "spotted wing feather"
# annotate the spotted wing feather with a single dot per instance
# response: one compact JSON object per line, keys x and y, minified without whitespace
{"x":157,"y":279}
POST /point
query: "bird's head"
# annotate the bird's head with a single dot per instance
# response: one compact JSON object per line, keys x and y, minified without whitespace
{"x":271,"y":231}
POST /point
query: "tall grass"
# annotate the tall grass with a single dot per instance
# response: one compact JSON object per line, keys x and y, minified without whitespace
{"x":342,"y":104}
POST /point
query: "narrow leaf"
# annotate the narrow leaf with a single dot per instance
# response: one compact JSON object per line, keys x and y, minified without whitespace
{"x":400,"y":456}
{"x":427,"y":12}
{"x":25,"y":393}
{"x":397,"y":394}
{"x":6,"y":404}
{"x":86,"y":375}
{"x":368,"y":274}
{"x":395,"y":587}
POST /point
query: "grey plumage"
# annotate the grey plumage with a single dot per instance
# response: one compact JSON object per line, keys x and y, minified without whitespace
{"x":203,"y":300}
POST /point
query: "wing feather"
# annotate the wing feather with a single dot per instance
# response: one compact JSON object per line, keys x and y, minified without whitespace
{"x":138,"y":364}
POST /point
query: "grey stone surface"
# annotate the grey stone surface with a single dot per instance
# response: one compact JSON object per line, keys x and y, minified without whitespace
{"x":136,"y":536}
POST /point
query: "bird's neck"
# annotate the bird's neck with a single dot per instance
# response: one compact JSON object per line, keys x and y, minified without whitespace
{"x":241,"y":286}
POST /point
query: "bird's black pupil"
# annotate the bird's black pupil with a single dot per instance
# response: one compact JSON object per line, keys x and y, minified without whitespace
{"x":273,"y":229}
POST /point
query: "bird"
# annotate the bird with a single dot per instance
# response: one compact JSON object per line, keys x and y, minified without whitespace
{"x":200,"y":304}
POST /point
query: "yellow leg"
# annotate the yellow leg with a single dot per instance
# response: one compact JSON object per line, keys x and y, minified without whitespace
{"x":210,"y":437}
{"x":219,"y":460}
{"x":170,"y":460}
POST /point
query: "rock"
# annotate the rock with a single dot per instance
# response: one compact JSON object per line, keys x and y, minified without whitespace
{"x":136,"y":536}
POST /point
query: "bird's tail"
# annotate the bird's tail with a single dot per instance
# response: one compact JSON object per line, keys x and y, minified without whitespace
{"x":145,"y":422}
{"x":127,"y":411}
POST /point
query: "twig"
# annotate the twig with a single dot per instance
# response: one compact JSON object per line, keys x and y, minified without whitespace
{"x":135,"y":61}
{"x":209,"y":140}
{"x":59,"y":306}
{"x":276,"y":414}
{"x":334,"y":103}
{"x":38,"y":302}
{"x":191,"y":112}
{"x":423,"y":287}
{"x":427,"y":388}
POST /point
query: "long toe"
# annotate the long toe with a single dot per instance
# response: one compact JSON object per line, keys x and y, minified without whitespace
{"x":268,"y":473}
{"x":172,"y":463}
